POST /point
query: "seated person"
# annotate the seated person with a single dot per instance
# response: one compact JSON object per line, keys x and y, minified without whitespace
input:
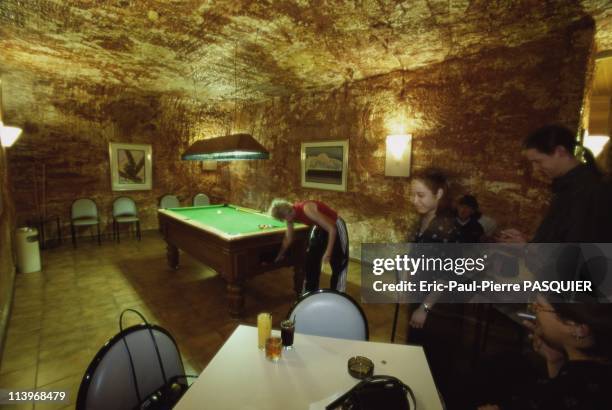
{"x":468,"y":228}
{"x":575,"y":341}
{"x":327,"y":243}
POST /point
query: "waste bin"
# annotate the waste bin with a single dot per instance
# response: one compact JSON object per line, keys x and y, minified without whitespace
{"x":28,"y":253}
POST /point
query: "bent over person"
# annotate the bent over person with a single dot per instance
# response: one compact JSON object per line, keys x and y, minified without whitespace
{"x":327,"y":242}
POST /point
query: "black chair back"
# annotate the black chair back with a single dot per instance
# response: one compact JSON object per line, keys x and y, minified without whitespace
{"x":130,"y":367}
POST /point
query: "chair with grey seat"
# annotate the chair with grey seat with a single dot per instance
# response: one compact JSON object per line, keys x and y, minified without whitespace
{"x":169,"y":201}
{"x":125,"y":212}
{"x":84,"y":212}
{"x":329,"y":313}
{"x":130,"y":367}
{"x":201,"y":200}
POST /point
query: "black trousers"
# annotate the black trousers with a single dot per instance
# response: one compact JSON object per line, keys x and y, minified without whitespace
{"x":317,"y":244}
{"x":441,"y":338}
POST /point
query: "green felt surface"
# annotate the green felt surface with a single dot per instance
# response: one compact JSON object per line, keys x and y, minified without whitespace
{"x":228,"y":219}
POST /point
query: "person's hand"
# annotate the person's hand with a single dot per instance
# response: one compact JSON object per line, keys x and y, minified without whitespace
{"x":417,"y":320}
{"x":489,"y":407}
{"x":325,"y":259}
{"x":550,"y":354}
{"x":511,"y":236}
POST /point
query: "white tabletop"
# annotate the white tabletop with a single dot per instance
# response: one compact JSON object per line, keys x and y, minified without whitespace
{"x":308,"y":377}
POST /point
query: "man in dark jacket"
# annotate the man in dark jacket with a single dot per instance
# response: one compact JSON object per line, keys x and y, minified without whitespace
{"x":581,"y":206}
{"x":468,"y":228}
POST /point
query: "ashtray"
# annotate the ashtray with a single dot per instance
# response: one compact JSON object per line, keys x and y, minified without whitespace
{"x":360,"y":367}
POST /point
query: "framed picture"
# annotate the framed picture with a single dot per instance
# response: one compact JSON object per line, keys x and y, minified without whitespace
{"x":325,"y":165}
{"x":130,"y":166}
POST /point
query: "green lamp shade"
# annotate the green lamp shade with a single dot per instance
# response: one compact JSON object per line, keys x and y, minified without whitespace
{"x":227,"y":148}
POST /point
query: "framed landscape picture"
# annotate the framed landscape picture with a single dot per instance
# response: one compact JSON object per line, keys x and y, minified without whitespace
{"x":325,"y":165}
{"x":131,"y":168}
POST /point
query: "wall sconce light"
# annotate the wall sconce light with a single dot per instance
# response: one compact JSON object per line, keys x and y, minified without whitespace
{"x":398,"y":152}
{"x":595,"y":143}
{"x":8,"y":135}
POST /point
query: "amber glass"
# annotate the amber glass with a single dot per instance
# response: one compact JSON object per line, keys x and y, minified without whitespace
{"x":273,"y":348}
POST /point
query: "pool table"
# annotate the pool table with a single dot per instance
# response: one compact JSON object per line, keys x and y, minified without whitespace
{"x":236,"y":242}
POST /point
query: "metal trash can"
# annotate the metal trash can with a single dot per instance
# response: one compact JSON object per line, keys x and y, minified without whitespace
{"x":28,"y":253}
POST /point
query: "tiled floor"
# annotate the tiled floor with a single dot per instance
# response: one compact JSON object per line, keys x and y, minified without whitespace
{"x":64,"y":314}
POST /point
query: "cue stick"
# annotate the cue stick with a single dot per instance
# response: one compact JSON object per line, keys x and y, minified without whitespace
{"x":44,"y":191}
{"x":36,"y":203}
{"x":397,"y":305}
{"x":247,"y":210}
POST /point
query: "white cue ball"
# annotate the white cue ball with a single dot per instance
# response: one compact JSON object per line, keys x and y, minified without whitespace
{"x":219,"y":212}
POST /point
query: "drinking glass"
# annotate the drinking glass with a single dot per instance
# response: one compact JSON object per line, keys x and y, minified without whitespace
{"x":273,"y":348}
{"x":264,"y":329}
{"x":287,"y":332}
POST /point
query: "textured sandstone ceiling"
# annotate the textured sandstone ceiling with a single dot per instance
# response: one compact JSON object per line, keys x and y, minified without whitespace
{"x":215,"y":50}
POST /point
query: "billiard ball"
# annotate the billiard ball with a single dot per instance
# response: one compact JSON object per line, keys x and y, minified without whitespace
{"x":219,"y":212}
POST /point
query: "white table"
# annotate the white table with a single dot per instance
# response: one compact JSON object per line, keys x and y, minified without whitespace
{"x":315,"y":371}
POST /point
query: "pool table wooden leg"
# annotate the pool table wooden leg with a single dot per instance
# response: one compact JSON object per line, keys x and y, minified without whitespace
{"x":172,"y":255}
{"x":235,"y":298}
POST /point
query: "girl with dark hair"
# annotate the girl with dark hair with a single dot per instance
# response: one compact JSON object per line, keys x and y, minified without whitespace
{"x":429,"y":196}
{"x":575,"y":341}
